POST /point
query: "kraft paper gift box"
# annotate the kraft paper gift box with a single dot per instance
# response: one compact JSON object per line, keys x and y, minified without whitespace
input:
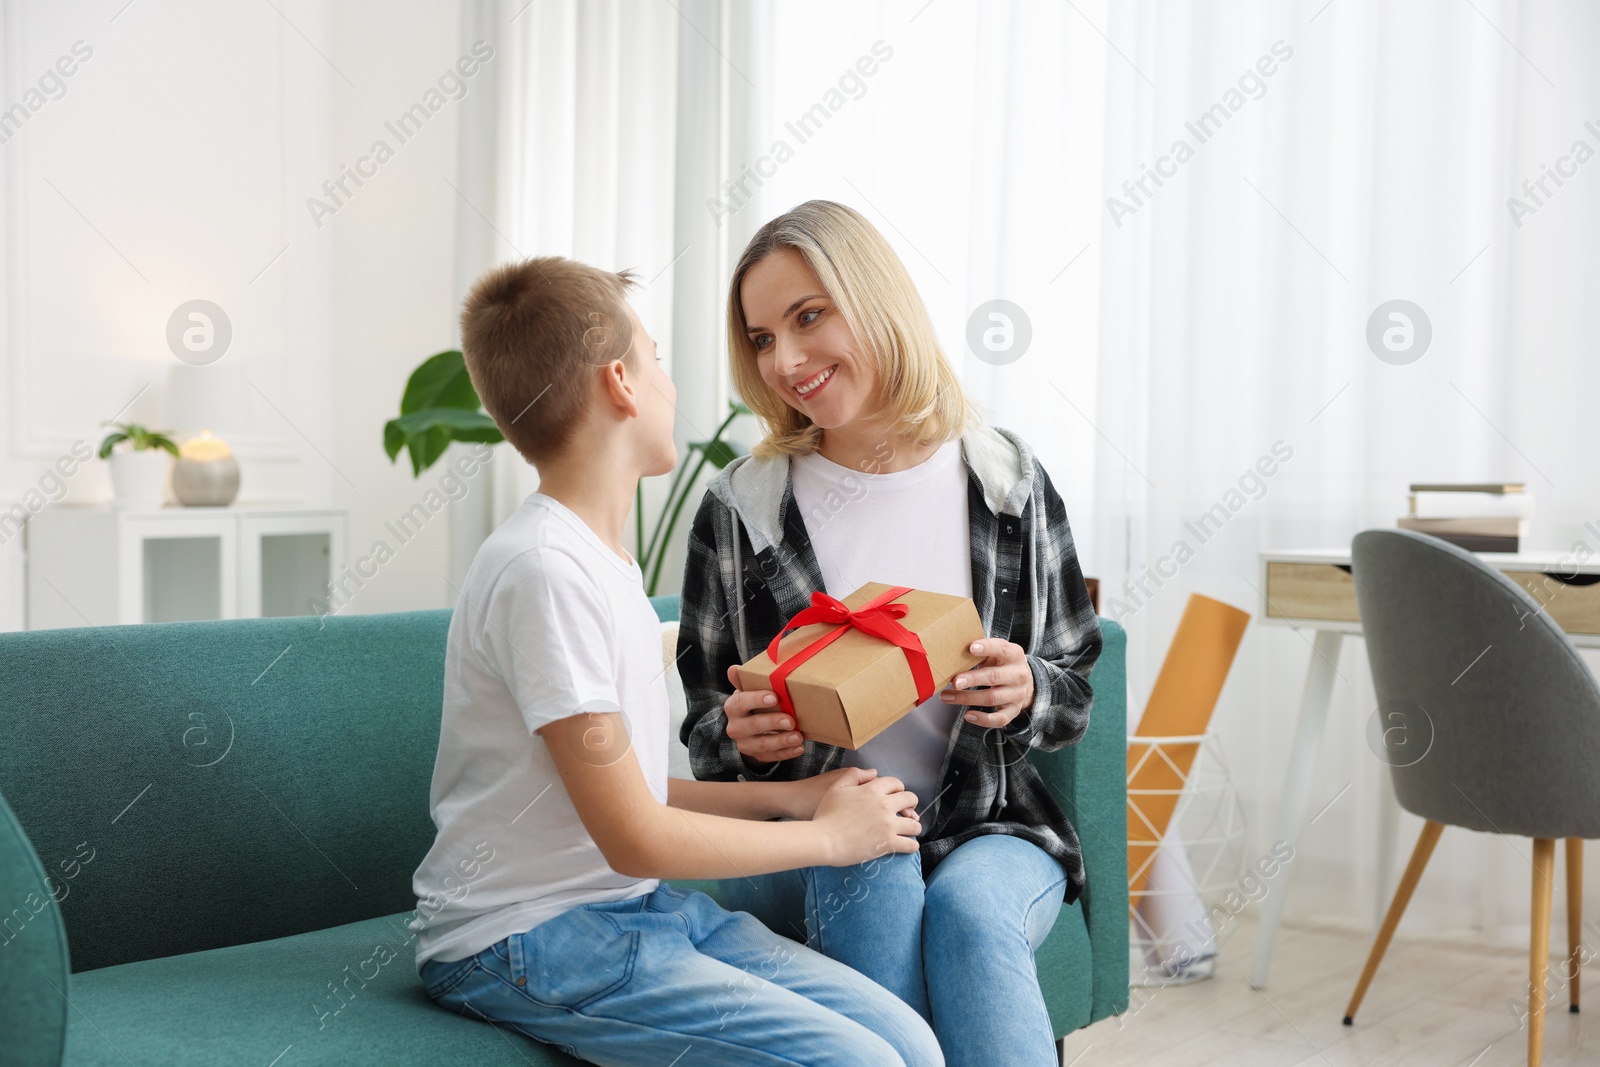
{"x":854,"y":667}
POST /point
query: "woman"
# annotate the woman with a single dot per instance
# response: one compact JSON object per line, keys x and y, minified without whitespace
{"x":875,"y":467}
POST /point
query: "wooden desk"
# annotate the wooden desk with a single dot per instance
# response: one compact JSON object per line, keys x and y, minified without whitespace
{"x":1313,"y":590}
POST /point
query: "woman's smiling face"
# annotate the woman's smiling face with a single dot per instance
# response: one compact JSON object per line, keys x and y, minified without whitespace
{"x":804,"y":348}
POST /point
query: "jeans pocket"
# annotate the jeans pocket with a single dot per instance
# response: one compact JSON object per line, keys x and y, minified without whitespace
{"x":441,"y":978}
{"x":669,"y":890}
{"x":573,"y":960}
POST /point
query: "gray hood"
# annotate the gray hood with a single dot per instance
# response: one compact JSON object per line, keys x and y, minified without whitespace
{"x":753,"y":488}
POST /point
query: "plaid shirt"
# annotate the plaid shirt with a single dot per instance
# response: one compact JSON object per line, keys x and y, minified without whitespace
{"x":1028,"y":589}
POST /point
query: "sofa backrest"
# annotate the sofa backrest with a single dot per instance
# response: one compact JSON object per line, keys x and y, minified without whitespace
{"x":194,"y":785}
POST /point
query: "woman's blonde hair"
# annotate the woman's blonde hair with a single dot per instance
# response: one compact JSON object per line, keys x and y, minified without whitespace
{"x":923,"y":398}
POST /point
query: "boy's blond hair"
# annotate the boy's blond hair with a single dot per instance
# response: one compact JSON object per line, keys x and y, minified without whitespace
{"x":922,"y":397}
{"x":532,"y":333}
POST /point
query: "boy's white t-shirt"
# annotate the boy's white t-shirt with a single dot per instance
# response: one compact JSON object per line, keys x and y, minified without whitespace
{"x":550,"y":623}
{"x":906,"y":527}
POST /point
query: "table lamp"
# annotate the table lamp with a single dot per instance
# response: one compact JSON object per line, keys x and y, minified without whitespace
{"x":202,"y":401}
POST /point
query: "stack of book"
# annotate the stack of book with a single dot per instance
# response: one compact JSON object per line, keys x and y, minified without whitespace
{"x":1476,"y":516}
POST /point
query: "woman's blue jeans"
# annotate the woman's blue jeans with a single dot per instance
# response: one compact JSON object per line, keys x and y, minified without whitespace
{"x":957,"y":947}
{"x":670,"y":977}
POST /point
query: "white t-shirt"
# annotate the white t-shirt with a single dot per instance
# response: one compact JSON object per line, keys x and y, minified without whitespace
{"x":550,"y":623}
{"x":904,"y":527}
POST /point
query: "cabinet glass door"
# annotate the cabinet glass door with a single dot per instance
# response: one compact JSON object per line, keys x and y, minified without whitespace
{"x":182,"y":579}
{"x":295,"y":571}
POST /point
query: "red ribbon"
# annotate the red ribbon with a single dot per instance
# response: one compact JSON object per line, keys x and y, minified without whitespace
{"x":876,"y":617}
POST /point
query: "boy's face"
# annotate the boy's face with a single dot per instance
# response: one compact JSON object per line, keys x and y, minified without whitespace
{"x":657,"y":398}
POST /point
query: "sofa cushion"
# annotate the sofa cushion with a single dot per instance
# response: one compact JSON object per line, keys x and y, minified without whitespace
{"x":351,"y":994}
{"x":677,"y":705}
{"x":345,"y":995}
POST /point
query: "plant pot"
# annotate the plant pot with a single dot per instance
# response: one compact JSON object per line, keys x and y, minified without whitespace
{"x":138,"y":479}
{"x":205,"y":483}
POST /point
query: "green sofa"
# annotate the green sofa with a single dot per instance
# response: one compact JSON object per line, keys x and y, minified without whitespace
{"x":208,"y":831}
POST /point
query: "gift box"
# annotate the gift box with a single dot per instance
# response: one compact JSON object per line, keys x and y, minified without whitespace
{"x":847,"y":670}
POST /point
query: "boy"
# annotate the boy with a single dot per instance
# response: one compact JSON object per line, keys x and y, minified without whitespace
{"x":539,"y":905}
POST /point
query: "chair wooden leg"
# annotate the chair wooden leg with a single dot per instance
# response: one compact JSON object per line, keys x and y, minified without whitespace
{"x":1061,"y":1052}
{"x":1544,"y":871}
{"x":1574,"y":918}
{"x":1397,"y":907}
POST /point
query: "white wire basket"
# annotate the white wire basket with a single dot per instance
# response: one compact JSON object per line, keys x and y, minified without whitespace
{"x":1190,"y":901}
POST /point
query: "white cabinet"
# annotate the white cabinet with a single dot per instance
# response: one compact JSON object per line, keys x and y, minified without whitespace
{"x":98,"y":566}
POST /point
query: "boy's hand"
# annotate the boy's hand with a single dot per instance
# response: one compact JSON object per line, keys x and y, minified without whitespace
{"x":808,"y":792}
{"x":864,"y":817}
{"x":761,"y":731}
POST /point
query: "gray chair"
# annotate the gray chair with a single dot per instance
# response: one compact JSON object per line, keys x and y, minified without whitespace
{"x":1490,"y":721}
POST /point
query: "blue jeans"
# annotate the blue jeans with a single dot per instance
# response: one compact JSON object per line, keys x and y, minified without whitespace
{"x":651,"y":979}
{"x":957,"y":947}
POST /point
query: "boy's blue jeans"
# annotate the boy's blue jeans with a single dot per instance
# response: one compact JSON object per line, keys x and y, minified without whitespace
{"x":957,"y":947}
{"x":670,"y":977}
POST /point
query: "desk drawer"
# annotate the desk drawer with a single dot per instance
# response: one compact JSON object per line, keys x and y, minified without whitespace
{"x":1572,"y":602}
{"x":1311,"y":591}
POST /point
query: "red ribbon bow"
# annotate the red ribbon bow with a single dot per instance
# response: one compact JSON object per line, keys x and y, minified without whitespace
{"x":876,"y":617}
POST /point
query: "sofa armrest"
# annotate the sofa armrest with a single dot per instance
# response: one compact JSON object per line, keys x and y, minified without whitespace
{"x":34,"y":967}
{"x":1090,"y":780}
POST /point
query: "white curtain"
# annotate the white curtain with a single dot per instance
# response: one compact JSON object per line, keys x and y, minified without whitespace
{"x":1361,"y":153}
{"x":1375,"y":163}
{"x":604,"y":133}
{"x":557,"y":158}
{"x":1341,"y":155}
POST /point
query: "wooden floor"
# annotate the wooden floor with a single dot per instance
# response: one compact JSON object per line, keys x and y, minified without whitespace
{"x":1432,"y":1002}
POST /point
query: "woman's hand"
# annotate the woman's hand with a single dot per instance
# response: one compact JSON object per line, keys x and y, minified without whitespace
{"x":1005,"y":671}
{"x":761,"y":731}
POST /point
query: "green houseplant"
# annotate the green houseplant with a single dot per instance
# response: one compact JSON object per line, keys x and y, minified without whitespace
{"x":139,"y":471}
{"x":440,"y":405}
{"x":716,"y":452}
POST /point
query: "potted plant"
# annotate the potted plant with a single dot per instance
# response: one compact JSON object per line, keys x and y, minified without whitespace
{"x":139,"y":471}
{"x":440,"y":405}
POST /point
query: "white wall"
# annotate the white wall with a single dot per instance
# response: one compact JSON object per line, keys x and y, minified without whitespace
{"x":394,"y":280}
{"x":177,"y":164}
